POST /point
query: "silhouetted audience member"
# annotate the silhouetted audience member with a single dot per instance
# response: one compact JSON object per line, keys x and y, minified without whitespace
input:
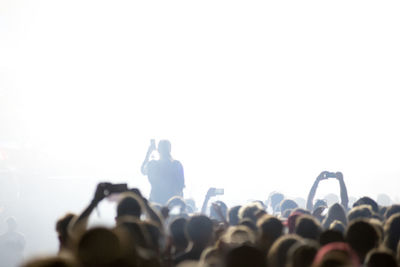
{"x":360,"y":212}
{"x":362,"y":237}
{"x":275,"y":199}
{"x":308,"y":227}
{"x":367,"y":201}
{"x":394,"y":209}
{"x":12,"y":244}
{"x":233,"y":215}
{"x":336,"y":255}
{"x":245,"y":256}
{"x":286,"y":205}
{"x":392,"y":232}
{"x":62,"y":231}
{"x":323,"y":176}
{"x":336,"y":212}
{"x":178,"y":236}
{"x":380,"y":258}
{"x":199,"y":230}
{"x":302,"y":254}
{"x":271,"y":228}
{"x":277,"y":255}
{"x":330,"y":236}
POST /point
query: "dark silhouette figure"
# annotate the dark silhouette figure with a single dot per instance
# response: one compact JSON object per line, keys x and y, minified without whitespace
{"x":165,"y":174}
{"x":323,"y":176}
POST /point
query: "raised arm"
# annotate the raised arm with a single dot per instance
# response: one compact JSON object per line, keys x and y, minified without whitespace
{"x":210,"y":193}
{"x":313,"y":190}
{"x":80,"y":224}
{"x":151,"y":148}
{"x":343,"y":191}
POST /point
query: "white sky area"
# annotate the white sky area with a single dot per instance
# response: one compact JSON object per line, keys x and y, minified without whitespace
{"x":255,"y":96}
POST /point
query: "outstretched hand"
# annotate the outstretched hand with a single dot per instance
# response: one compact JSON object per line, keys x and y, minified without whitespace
{"x":99,"y":194}
{"x":323,"y":176}
{"x":211,"y":192}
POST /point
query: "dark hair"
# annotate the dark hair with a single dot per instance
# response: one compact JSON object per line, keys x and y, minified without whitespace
{"x":308,"y":227}
{"x":394,"y":209}
{"x":199,"y":229}
{"x":379,"y":258}
{"x":233,"y":215}
{"x":330,"y":236}
{"x":367,"y":201}
{"x":177,"y":229}
{"x":362,"y":237}
{"x":392,"y":232}
{"x":130,"y":206}
{"x":287,"y":204}
{"x":245,"y":255}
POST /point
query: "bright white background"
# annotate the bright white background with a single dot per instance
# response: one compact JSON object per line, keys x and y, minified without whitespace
{"x":255,"y":96}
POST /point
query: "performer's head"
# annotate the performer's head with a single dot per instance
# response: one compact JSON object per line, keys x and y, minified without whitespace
{"x":164,"y":148}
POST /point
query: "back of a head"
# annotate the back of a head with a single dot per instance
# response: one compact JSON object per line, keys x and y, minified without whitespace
{"x":199,"y":229}
{"x":380,"y":258}
{"x":302,"y":254}
{"x":394,"y":209}
{"x":233,"y":215}
{"x":99,"y":247}
{"x":164,"y":148}
{"x":308,"y":227}
{"x":335,"y":212}
{"x":360,"y":212}
{"x":392,"y":232}
{"x":330,"y":236}
{"x":129,"y":206}
{"x":276,"y":199}
{"x":249,"y":211}
{"x":362,"y":237}
{"x":337,"y":254}
{"x":62,"y":228}
{"x":277,"y":255}
{"x":177,"y":230}
{"x":270,"y":227}
{"x":287,"y":204}
{"x":367,"y":201}
{"x":245,"y":256}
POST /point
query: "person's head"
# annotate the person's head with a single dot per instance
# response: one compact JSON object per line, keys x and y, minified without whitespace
{"x":362,"y":237}
{"x":270,"y":227}
{"x":360,"y":212}
{"x":62,"y":229}
{"x":287,"y":204}
{"x":392,"y":232}
{"x":250,"y":211}
{"x":337,"y":254}
{"x":277,"y":255}
{"x":250,"y":225}
{"x":308,"y":227}
{"x":335,"y":212}
{"x":129,"y":205}
{"x":99,"y":247}
{"x":199,"y":230}
{"x":211,"y":257}
{"x":245,"y":255}
{"x":155,"y":234}
{"x":330,"y":236}
{"x":302,"y":254}
{"x":177,"y":230}
{"x":367,"y":201}
{"x":223,"y":207}
{"x":380,"y":258}
{"x":233,"y":215}
{"x":239,"y":235}
{"x":164,"y":148}
{"x":275,"y":199}
{"x":394,"y":209}
{"x":337,"y":226}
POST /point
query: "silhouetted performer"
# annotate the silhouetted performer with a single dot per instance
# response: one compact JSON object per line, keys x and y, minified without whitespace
{"x":165,"y":175}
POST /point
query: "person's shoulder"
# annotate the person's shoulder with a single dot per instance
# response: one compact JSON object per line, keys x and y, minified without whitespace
{"x":176,"y":162}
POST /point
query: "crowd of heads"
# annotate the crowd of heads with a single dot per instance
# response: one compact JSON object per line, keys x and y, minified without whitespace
{"x":276,"y":234}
